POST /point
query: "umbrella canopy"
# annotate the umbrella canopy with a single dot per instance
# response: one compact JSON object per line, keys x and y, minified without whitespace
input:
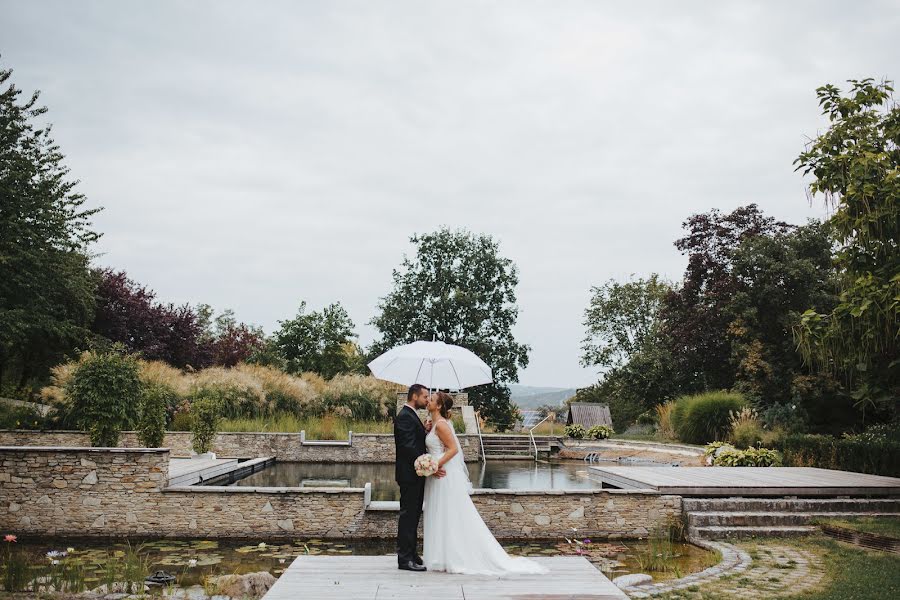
{"x":432,"y":364}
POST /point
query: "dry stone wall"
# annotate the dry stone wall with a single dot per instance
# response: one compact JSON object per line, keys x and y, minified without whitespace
{"x":366,"y":447}
{"x":123,"y":492}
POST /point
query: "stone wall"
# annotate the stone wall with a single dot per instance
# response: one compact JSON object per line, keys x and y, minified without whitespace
{"x":366,"y":447}
{"x":122,"y":492}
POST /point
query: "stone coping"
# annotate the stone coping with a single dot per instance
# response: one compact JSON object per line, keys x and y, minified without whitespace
{"x":82,"y":449}
{"x":217,"y":489}
{"x":79,"y":432}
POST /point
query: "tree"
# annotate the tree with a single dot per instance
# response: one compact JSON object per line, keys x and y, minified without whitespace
{"x":856,"y":168}
{"x":105,"y":395}
{"x":695,"y":317}
{"x":321,"y":342}
{"x":459,"y":289}
{"x":620,"y":319}
{"x":46,"y":291}
{"x":127,"y":313}
{"x":229,"y":342}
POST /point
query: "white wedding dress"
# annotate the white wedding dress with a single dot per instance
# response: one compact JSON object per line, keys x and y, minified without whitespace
{"x":456,"y":538}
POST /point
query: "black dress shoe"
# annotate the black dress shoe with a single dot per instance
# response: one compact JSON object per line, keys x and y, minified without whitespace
{"x":411,"y":565}
{"x":419,"y":560}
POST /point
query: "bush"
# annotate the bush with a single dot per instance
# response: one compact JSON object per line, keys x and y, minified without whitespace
{"x":575,"y":431}
{"x":664,"y":420}
{"x":746,"y":430}
{"x":19,"y":417}
{"x":104,"y":392}
{"x":705,"y":417}
{"x":206,"y":416}
{"x":283,"y":392}
{"x":599,"y":432}
{"x":364,"y":397}
{"x":720,"y":454}
{"x":155,"y":400}
{"x":876,"y":451}
{"x":239,"y":393}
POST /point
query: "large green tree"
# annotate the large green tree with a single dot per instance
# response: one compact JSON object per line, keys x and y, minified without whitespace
{"x":46,"y":288}
{"x":318,"y":341}
{"x":855,"y":165}
{"x":460,"y":290}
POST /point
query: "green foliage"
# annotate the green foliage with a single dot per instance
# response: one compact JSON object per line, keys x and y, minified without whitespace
{"x":104,"y":393}
{"x":705,"y":417}
{"x":206,"y":416}
{"x":155,"y":400}
{"x":317,"y":342}
{"x":459,"y":289}
{"x":855,"y":165}
{"x":720,"y":454}
{"x":20,"y":417}
{"x":876,"y":451}
{"x":359,"y":397}
{"x":46,"y":289}
{"x":599,"y":432}
{"x":16,"y":574}
{"x":576,"y":431}
{"x":620,"y":320}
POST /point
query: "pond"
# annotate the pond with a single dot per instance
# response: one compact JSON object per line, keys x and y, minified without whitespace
{"x":494,"y":474}
{"x":88,"y":564}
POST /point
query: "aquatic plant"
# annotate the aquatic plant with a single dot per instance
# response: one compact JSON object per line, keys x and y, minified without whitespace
{"x":15,"y":566}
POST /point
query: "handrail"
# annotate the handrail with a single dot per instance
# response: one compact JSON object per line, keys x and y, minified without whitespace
{"x":531,"y":433}
{"x":480,"y":440}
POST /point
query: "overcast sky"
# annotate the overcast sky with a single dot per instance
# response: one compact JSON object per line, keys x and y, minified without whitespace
{"x":252,"y":155}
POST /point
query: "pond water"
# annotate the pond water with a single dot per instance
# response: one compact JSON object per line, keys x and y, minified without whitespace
{"x":494,"y":474}
{"x":89,"y":563}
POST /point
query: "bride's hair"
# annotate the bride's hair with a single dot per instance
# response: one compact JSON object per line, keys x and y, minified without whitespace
{"x":445,"y":401}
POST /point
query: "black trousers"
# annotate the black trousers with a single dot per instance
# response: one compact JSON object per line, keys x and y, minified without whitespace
{"x":412,"y":493}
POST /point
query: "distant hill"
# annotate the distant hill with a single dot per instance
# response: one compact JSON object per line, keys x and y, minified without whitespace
{"x":527,"y":397}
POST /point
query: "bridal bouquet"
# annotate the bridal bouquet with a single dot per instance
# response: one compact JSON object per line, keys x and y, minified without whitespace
{"x":426,"y":465}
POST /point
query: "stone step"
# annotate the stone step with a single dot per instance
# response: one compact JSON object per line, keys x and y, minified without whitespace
{"x":880,"y":505}
{"x":721,"y":533}
{"x":510,"y":456}
{"x":768,"y":519}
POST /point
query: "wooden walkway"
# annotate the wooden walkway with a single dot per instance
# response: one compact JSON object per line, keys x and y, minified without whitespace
{"x":377,"y":578}
{"x":747,"y":481}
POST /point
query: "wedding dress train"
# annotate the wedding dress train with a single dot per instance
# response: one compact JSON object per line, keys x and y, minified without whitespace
{"x":456,"y":538}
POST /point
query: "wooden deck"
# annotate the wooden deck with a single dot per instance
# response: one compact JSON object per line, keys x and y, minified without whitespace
{"x":191,"y":471}
{"x":377,"y":578}
{"x":747,"y":481}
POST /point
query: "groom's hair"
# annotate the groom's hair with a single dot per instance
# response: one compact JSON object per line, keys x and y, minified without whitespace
{"x":414,"y":390}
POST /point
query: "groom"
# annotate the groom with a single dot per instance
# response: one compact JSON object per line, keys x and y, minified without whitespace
{"x":409,"y":441}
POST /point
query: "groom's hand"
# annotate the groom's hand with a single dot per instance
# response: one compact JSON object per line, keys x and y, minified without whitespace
{"x":440,"y":473}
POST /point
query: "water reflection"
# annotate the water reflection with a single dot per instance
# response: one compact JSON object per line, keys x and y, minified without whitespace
{"x":497,"y":474}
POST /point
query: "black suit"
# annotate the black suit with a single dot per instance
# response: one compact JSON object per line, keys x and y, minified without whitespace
{"x":409,"y":441}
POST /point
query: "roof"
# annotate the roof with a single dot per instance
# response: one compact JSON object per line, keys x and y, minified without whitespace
{"x":589,"y":414}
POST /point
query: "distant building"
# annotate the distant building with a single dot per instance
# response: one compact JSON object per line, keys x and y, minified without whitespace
{"x":588,"y":414}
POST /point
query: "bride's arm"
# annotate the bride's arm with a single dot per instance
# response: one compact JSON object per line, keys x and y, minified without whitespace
{"x":443,"y":432}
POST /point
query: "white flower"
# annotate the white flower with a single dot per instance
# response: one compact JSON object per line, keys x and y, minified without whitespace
{"x":262,"y":544}
{"x":70,"y":550}
{"x":53,"y":554}
{"x":281,"y":561}
{"x":54,"y":562}
{"x":192,"y":563}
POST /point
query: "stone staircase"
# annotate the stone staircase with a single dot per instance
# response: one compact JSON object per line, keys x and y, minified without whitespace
{"x":728,"y":518}
{"x":511,"y":447}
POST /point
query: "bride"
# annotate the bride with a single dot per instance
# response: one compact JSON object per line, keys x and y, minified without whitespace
{"x":456,"y":538}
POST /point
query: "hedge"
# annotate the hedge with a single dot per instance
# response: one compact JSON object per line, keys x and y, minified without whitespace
{"x":864,"y":453}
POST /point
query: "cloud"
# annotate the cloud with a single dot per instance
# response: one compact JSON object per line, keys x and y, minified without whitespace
{"x":255,"y":155}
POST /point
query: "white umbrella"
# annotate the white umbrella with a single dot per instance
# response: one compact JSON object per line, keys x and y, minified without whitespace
{"x":433,"y":364}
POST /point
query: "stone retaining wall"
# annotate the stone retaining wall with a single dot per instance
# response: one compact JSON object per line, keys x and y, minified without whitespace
{"x":122,"y":492}
{"x":366,"y":447}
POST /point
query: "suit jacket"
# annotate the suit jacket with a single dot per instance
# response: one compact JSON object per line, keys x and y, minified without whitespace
{"x":409,"y":442}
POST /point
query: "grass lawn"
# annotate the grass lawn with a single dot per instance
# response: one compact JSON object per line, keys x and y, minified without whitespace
{"x":855,"y":573}
{"x":888,"y":526}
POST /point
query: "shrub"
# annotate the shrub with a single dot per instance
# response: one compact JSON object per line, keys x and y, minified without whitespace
{"x":155,"y":400}
{"x":206,"y":416}
{"x":575,"y":431}
{"x":746,"y":430}
{"x":705,"y":417}
{"x":239,"y":393}
{"x":664,"y":420}
{"x":19,"y":417}
{"x":181,"y":418}
{"x":720,"y":454}
{"x":104,"y":393}
{"x":876,"y":451}
{"x":599,"y":432}
{"x":283,"y":392}
{"x":365,"y":397}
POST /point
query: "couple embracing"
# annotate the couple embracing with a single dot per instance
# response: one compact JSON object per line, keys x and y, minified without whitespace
{"x":456,"y":540}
